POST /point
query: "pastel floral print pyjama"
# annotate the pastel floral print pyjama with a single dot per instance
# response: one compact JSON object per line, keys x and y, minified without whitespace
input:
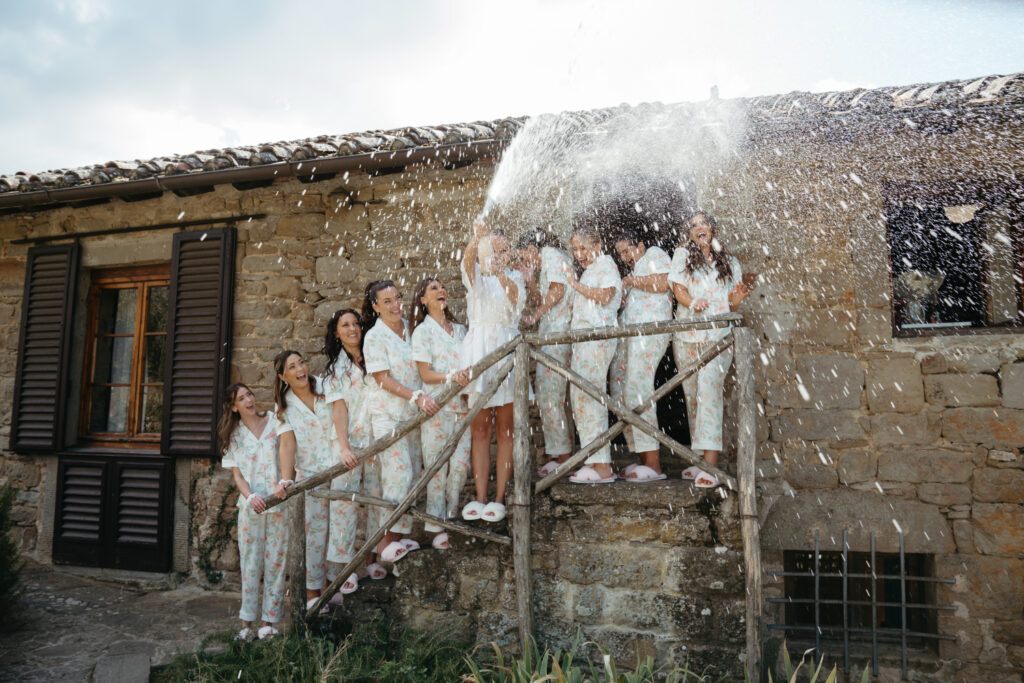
{"x":445,"y":487}
{"x":318,"y":512}
{"x":591,"y":360}
{"x":341,"y":544}
{"x":632,"y":382}
{"x":551,"y":402}
{"x":396,"y":473}
{"x":704,"y":394}
{"x":262,"y":550}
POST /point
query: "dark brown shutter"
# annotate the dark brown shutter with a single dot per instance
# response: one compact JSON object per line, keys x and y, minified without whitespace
{"x":198,"y":340}
{"x":41,"y":384}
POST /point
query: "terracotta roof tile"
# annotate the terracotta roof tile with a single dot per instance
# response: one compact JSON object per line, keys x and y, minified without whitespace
{"x":791,"y":107}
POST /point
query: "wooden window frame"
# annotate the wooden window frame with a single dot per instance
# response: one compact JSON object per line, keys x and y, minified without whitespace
{"x":142,"y":278}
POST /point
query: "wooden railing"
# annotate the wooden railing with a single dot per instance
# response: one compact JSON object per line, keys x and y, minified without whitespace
{"x":517,"y":353}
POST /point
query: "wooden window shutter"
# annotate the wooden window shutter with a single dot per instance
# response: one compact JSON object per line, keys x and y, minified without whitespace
{"x":41,"y":383}
{"x":198,"y":357}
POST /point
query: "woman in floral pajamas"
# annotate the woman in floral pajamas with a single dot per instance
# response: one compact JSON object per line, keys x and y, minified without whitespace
{"x":596,"y":304}
{"x":395,"y":398}
{"x":249,"y":447}
{"x":436,"y":340}
{"x":705,"y":281}
{"x":552,"y":299}
{"x":346,"y":390}
{"x":305,"y":423}
{"x":637,"y":358}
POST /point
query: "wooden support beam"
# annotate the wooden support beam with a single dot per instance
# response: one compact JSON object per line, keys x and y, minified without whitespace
{"x":613,"y":431}
{"x":746,"y":472}
{"x":521,"y":503}
{"x":457,"y":527}
{"x":418,"y":486}
{"x":630,"y":418}
{"x":399,"y":433}
{"x":295,"y":516}
{"x":701,"y":322}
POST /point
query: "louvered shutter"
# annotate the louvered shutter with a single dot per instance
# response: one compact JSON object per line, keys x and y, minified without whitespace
{"x":41,"y":384}
{"x":198,"y":340}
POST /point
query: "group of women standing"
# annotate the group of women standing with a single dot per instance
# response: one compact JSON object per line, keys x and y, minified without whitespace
{"x":384,"y":364}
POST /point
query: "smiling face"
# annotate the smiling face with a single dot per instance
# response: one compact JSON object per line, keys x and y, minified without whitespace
{"x":244,"y":403}
{"x":296,"y":372}
{"x":700,"y":231}
{"x":389,"y":305}
{"x":435,"y":297}
{"x":348,"y":331}
{"x":630,"y":253}
{"x":585,"y":249}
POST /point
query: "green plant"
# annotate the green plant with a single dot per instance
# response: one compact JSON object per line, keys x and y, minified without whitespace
{"x":368,"y":655}
{"x":568,"y":666}
{"x":791,"y":672}
{"x":10,"y":564}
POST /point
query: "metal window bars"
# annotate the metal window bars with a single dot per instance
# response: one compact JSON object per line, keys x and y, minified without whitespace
{"x":845,"y":574}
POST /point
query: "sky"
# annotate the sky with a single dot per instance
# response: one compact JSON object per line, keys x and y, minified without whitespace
{"x":89,"y":81}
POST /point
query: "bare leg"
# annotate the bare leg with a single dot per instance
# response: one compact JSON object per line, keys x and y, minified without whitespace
{"x":480,"y":452}
{"x":504,"y":420}
{"x":712,"y":457}
{"x":389,"y":538}
{"x":651,"y":459}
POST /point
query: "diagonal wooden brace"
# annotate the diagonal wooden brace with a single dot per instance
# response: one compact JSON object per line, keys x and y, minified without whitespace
{"x":613,"y":431}
{"x":418,"y":486}
{"x":631,"y":418}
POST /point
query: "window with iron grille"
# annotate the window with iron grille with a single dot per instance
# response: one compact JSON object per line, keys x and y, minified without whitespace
{"x":835,"y":598}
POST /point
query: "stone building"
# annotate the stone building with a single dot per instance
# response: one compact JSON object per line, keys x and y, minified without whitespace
{"x":887,"y":227}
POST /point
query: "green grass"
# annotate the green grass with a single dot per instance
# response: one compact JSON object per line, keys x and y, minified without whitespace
{"x":368,"y":655}
{"x":372,"y":653}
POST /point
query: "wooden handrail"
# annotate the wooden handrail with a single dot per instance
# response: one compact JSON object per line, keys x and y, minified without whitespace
{"x":703,"y":322}
{"x":418,"y":514}
{"x":399,"y":433}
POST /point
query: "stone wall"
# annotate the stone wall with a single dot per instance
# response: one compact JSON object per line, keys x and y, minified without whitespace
{"x":642,"y":569}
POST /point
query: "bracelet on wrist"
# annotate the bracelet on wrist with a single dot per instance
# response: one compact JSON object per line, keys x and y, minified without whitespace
{"x":415,"y":396}
{"x":286,"y":482}
{"x":248,"y":499}
{"x":448,"y":377}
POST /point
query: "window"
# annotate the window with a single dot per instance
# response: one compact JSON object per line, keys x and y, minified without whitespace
{"x":124,"y":367}
{"x":957,"y":259}
{"x":872,"y":598}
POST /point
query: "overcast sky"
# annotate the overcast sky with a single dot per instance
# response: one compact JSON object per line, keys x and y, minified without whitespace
{"x":88,"y":81}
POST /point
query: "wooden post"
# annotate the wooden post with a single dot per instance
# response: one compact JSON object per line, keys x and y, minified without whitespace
{"x":521,"y":499}
{"x":296,"y":522}
{"x":746,"y":450}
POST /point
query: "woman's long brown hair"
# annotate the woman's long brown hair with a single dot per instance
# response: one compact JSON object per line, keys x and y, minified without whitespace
{"x":696,"y":256}
{"x":281,"y":387}
{"x":333,"y":347}
{"x":418,"y":312}
{"x":229,"y":419}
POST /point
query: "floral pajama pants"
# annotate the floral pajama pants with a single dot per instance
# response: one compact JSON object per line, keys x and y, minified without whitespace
{"x":396,"y":469}
{"x":445,"y":487}
{"x":341,"y":545}
{"x":262,"y":550}
{"x":551,"y":403}
{"x":632,"y":381}
{"x":705,"y":394}
{"x":318,"y":512}
{"x":591,"y":360}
